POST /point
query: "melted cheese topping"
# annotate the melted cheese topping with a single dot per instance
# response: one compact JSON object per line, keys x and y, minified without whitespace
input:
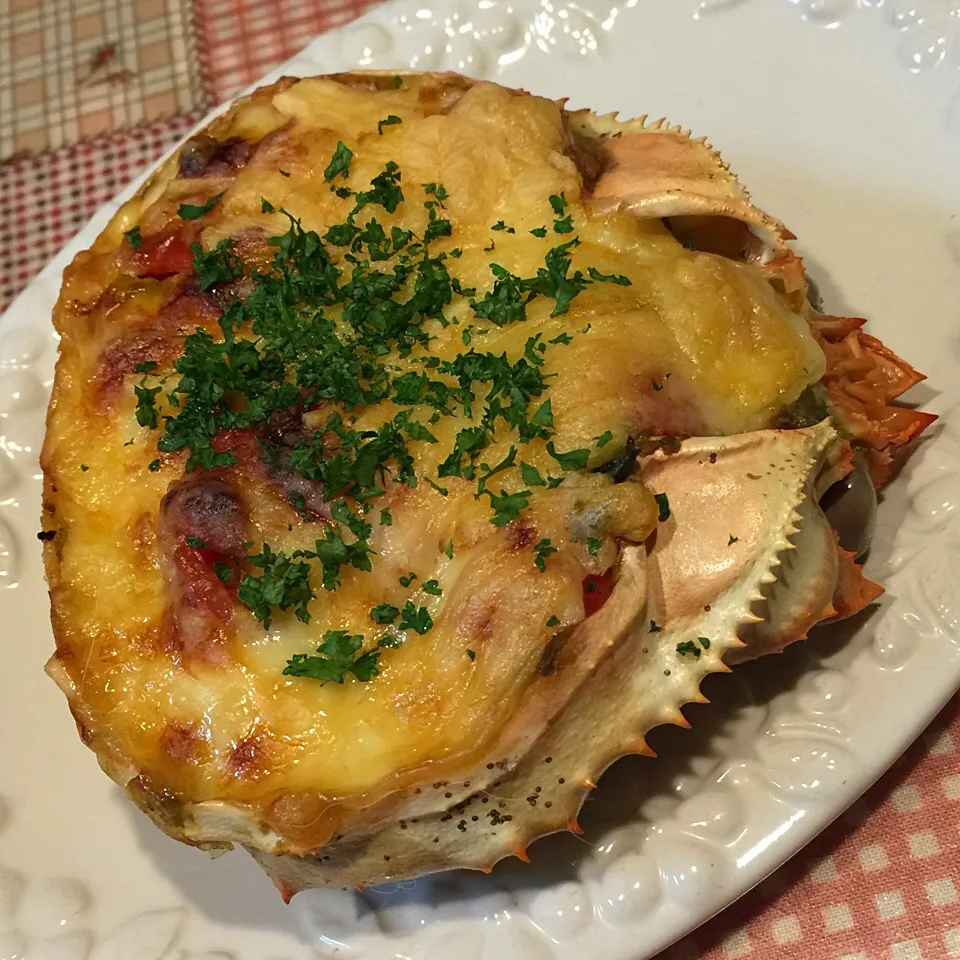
{"x":695,"y":345}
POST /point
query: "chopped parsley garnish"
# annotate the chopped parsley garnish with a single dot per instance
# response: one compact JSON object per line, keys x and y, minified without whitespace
{"x":593,"y":546}
{"x":655,"y":627}
{"x":531,"y":475}
{"x":541,"y":551}
{"x":145,"y":366}
{"x":133,"y":237}
{"x":146,"y":411}
{"x":508,"y":506}
{"x":192,"y":211}
{"x":572,"y":459}
{"x":562,"y":223}
{"x":732,"y":540}
{"x":336,"y":657}
{"x":384,"y":613}
{"x":196,"y":542}
{"x":663,"y":507}
{"x":154,"y":466}
{"x":318,"y":324}
{"x":553,"y":621}
{"x":284,"y":583}
{"x":415,"y":618}
{"x":690,"y":648}
{"x":223,"y":571}
{"x":83,"y":468}
{"x":471,"y":654}
{"x":219,"y":265}
{"x":388,"y":121}
{"x":339,"y":165}
{"x":618,"y":278}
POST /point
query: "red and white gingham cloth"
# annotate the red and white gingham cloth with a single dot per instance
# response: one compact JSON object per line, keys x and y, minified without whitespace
{"x":882,"y":883}
{"x":47,"y":199}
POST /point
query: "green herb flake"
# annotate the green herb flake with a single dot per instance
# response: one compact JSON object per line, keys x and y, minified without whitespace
{"x":437,"y":190}
{"x":571,"y":459}
{"x":145,"y":366}
{"x":433,"y":588}
{"x":471,"y":654}
{"x":223,"y":571}
{"x":655,"y":627}
{"x":593,"y":546}
{"x":196,"y":543}
{"x":500,"y":225}
{"x":448,"y":549}
{"x":415,"y":618}
{"x":266,"y":206}
{"x":732,"y":540}
{"x":704,"y":642}
{"x":688,"y":648}
{"x":539,"y":232}
{"x":531,"y":475}
{"x":443,"y":491}
{"x":389,"y":121}
{"x":408,"y":579}
{"x":191,"y":211}
{"x":663,"y":507}
{"x":553,"y":621}
{"x":604,"y":438}
{"x":146,"y":411}
{"x":218,"y":265}
{"x":507,"y":507}
{"x":541,"y":551}
{"x":134,"y":238}
{"x":386,"y":518}
{"x":339,"y":165}
{"x":83,"y":468}
{"x":618,"y":278}
{"x":338,"y":656}
{"x":153,"y":466}
{"x":384,"y":613}
{"x":284,"y":584}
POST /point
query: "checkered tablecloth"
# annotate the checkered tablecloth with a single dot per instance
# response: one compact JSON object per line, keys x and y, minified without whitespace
{"x":883,"y":882}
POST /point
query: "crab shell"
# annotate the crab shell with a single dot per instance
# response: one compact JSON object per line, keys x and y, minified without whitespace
{"x":695,"y":587}
{"x":745,"y":564}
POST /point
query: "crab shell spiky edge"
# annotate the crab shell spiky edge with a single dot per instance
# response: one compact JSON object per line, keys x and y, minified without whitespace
{"x":698,"y":585}
{"x":658,"y":170}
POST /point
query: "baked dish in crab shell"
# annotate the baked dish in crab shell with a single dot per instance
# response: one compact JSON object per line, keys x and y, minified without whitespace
{"x":416,"y":446}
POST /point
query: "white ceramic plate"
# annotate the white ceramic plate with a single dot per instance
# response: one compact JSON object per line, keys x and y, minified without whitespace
{"x":844,"y":120}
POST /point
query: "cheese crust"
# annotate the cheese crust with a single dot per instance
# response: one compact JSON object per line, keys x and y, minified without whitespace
{"x":176,"y":682}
